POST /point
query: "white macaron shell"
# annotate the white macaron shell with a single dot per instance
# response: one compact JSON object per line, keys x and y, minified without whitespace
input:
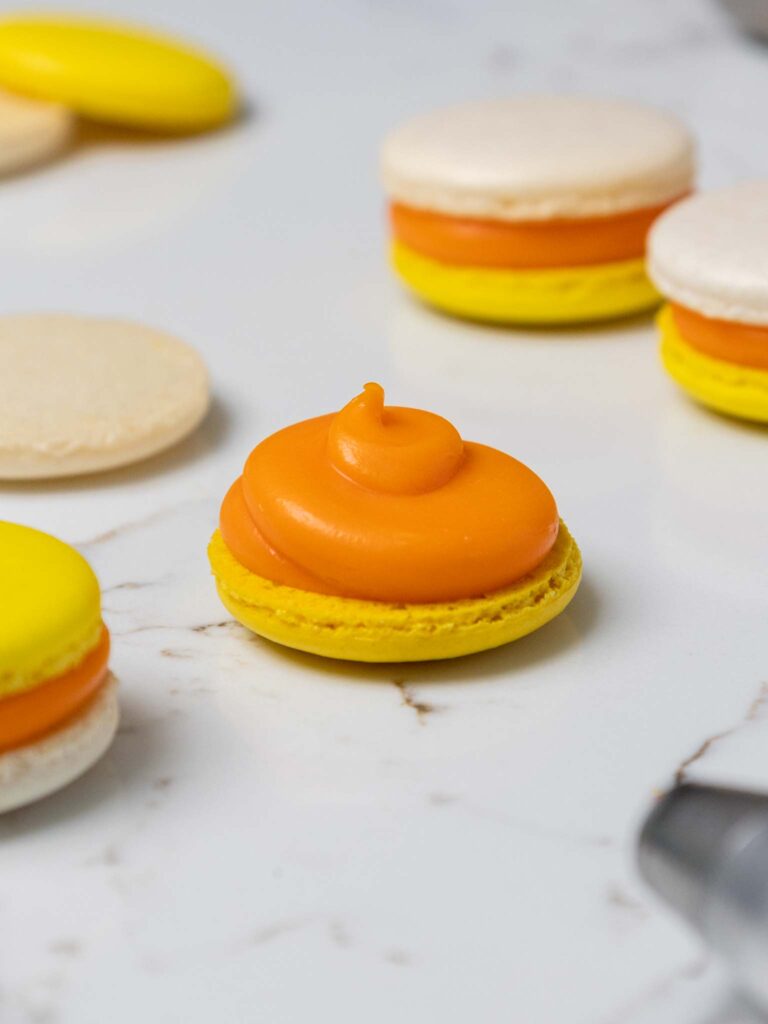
{"x":81,"y":394}
{"x":539,"y":157}
{"x":31,"y":132}
{"x":37,"y":769}
{"x":710,"y":253}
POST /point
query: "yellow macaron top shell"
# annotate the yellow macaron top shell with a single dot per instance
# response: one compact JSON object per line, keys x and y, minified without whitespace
{"x":114,"y":73}
{"x":50,"y":608}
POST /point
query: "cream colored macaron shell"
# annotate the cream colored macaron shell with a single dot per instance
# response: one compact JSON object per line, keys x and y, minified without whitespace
{"x":81,"y":394}
{"x":710,"y":253}
{"x":31,"y":132}
{"x":37,"y":769}
{"x":539,"y":157}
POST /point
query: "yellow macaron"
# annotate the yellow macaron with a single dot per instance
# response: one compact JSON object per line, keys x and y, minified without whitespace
{"x":355,"y":630}
{"x":533,"y":209}
{"x":377,"y":534}
{"x":87,"y":394}
{"x":58,"y":707}
{"x":115,"y":73}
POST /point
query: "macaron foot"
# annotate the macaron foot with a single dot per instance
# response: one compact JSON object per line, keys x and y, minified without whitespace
{"x":371,"y":631}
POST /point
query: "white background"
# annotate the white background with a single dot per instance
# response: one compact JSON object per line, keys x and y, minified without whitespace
{"x":282,"y":840}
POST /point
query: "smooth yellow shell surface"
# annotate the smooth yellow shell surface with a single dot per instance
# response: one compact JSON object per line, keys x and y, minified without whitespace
{"x":114,"y":73}
{"x":561,"y":295}
{"x":50,"y":608}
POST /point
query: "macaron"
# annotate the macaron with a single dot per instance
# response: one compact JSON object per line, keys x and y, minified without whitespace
{"x":58,"y":701}
{"x":31,"y":132}
{"x":81,"y":395}
{"x":377,"y":534}
{"x":115,"y":73}
{"x":709,"y":258}
{"x":533,"y":209}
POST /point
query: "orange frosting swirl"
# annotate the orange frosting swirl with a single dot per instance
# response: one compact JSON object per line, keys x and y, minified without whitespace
{"x":386,"y":504}
{"x":397,"y":451}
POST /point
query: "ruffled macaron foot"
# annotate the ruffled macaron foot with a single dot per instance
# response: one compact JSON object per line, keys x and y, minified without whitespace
{"x":372,"y":631}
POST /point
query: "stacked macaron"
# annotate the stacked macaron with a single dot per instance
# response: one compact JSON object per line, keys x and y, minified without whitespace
{"x":56,"y":68}
{"x":58,"y":703}
{"x":709,"y":257}
{"x":535,"y":208}
{"x":378,"y":534}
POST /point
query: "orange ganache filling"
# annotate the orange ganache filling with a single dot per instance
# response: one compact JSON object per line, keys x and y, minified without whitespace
{"x":30,"y":715}
{"x":386,"y":504}
{"x":576,"y":242}
{"x":733,"y":342}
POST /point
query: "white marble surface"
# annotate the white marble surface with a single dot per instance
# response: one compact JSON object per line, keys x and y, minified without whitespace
{"x":278,"y":839}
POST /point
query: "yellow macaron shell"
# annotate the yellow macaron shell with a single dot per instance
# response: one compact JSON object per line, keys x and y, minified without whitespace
{"x":561,"y":295}
{"x":50,"y":608}
{"x":114,"y":73}
{"x":729,"y":388}
{"x":372,"y":631}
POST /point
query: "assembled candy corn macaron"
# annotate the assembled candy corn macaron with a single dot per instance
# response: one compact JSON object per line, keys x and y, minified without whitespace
{"x":58,"y":702}
{"x":533,"y":209}
{"x":378,"y":534}
{"x":115,"y":73}
{"x":709,"y":257}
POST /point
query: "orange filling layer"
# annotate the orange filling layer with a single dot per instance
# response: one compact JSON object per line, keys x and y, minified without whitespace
{"x":745,"y":344}
{"x":386,"y":504}
{"x":524,"y":245}
{"x":27,"y":716}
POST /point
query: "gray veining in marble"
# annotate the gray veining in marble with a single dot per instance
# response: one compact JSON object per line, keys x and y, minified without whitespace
{"x":278,"y":839}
